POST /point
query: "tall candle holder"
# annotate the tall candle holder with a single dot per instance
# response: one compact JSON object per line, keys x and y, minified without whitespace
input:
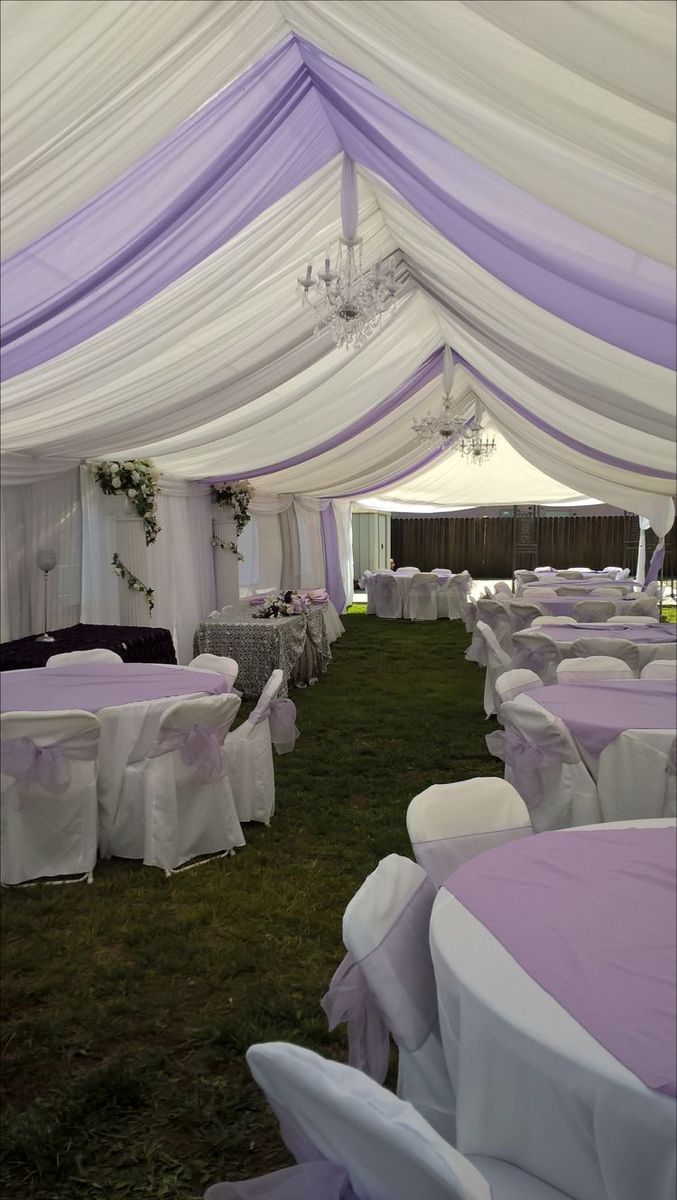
{"x":46,"y":560}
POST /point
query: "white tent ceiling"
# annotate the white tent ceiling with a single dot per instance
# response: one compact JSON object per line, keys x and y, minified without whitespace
{"x":218,"y":372}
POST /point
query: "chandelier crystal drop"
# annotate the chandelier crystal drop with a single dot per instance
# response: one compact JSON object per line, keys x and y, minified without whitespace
{"x":445,"y":428}
{"x":347,"y":299}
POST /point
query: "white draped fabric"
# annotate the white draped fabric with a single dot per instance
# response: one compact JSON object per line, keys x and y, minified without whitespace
{"x":218,"y":373}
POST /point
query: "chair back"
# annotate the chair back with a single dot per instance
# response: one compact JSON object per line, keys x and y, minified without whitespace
{"x":523,"y":614}
{"x":624,"y":574}
{"x":552,"y":621}
{"x":535,"y":651}
{"x":218,"y":663}
{"x":471,"y":614}
{"x":407,"y":571}
{"x":607,"y":591}
{"x":597,"y":666}
{"x":526,"y":576}
{"x":83,"y":656}
{"x":388,"y":597}
{"x":442,"y":572}
{"x":659,"y":669}
{"x":197,"y":728}
{"x":571,"y":589}
{"x":633,"y":621}
{"x":502,"y":586}
{"x":619,"y":648}
{"x":494,"y":651}
{"x":594,"y":610}
{"x":498,"y":618}
{"x":541,"y":593}
{"x":388,"y":1150}
{"x":513,"y":682}
{"x":280,"y":715}
{"x":45,"y":750}
{"x":385,"y":984}
{"x":450,"y":823}
{"x":643,"y":606}
{"x":421,"y":601}
{"x":653,"y":588}
{"x":612,"y":572}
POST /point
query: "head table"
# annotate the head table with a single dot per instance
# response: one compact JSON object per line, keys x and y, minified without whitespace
{"x":298,"y":646}
{"x":554,"y":961}
{"x":134,"y":643}
{"x":127,"y":698}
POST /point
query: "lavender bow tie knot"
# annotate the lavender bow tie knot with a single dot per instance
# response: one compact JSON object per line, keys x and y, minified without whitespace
{"x":46,"y":766}
{"x":201,"y":749}
{"x":527,"y":759}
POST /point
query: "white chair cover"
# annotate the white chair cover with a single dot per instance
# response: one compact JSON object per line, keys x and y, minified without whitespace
{"x":48,"y":803}
{"x":450,"y":823}
{"x":653,"y":589}
{"x":471,"y":615}
{"x":421,"y":601}
{"x":633,"y":776}
{"x":445,"y":598}
{"x":459,"y":591}
{"x":624,"y":574}
{"x":249,"y":750}
{"x":643,"y":606}
{"x":497,"y":661}
{"x":406,"y":572}
{"x":498,"y":617}
{"x":512,"y":683}
{"x":502,"y":586}
{"x":572,"y":589}
{"x":388,"y":597}
{"x":543,"y":763}
{"x":385,"y":985}
{"x":659,"y":669}
{"x":619,"y":648}
{"x":523,"y":614}
{"x":594,"y":610}
{"x":612,"y":593}
{"x":611,"y":571}
{"x":597,"y":666}
{"x":526,"y":576}
{"x":367,"y":582}
{"x":535,"y":651}
{"x":83,"y":656}
{"x":541,"y":593}
{"x":552,"y":621}
{"x":180,"y":785}
{"x":219,"y":663}
{"x":633,"y":621}
{"x":442,"y":572}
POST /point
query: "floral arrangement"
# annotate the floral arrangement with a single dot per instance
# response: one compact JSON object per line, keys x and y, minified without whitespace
{"x":136,"y":479}
{"x":218,"y":544}
{"x":285,"y":604}
{"x":133,"y":583}
{"x":238,"y":496}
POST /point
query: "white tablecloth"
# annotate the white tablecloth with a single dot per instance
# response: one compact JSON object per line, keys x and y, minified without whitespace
{"x":532,"y":1085}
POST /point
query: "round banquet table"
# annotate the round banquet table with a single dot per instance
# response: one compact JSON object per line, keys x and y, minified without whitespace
{"x":625,"y":733}
{"x":654,"y":642}
{"x":128,"y":699}
{"x":563,"y":606}
{"x":554,"y":960}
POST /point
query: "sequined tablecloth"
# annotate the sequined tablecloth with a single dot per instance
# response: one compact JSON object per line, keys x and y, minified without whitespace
{"x":297,"y":645}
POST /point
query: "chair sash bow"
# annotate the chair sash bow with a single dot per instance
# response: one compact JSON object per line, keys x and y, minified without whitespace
{"x":527,"y":758}
{"x":201,"y":747}
{"x":349,"y":1000}
{"x":281,"y":717}
{"x":318,"y":1180}
{"x":47,"y":766}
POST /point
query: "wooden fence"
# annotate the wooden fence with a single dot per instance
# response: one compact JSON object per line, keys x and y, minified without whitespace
{"x":483,"y":545}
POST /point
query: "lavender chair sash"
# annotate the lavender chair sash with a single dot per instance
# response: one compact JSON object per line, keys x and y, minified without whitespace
{"x":391,"y":990}
{"x":47,"y":766}
{"x":348,"y":1000}
{"x":527,"y":758}
{"x":439,"y":857}
{"x":201,"y":747}
{"x":281,"y":717}
{"x":319,"y":1180}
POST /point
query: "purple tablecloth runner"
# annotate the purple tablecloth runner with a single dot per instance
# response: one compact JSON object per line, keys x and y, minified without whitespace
{"x":93,"y":686}
{"x":641,"y":635}
{"x":596,"y":713}
{"x":590,"y":916}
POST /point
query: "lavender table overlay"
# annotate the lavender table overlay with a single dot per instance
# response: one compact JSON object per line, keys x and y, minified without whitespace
{"x":596,"y":713}
{"x":94,"y":686}
{"x":554,"y":961}
{"x":563,"y":606}
{"x":557,"y":904}
{"x":641,"y":635}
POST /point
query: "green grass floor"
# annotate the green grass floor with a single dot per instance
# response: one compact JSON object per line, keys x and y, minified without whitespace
{"x":128,"y":1005}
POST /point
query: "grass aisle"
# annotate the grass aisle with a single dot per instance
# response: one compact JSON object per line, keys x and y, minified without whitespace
{"x":128,"y":1005}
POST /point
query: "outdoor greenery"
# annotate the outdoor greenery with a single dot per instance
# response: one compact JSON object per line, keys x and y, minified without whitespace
{"x":129,"y":1004}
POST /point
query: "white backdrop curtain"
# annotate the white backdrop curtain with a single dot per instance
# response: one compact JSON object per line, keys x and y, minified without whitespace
{"x":46,"y":515}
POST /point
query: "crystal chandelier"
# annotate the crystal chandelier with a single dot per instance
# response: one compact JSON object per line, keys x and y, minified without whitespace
{"x":346,"y":299}
{"x":475,"y":448}
{"x":445,"y":428}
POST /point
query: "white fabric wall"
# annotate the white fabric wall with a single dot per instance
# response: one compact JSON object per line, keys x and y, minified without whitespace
{"x":42,"y":516}
{"x":310,"y":541}
{"x":261,"y":544}
{"x":343,"y":513}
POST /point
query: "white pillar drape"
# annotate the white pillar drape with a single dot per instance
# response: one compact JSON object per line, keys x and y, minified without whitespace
{"x":226,"y":563}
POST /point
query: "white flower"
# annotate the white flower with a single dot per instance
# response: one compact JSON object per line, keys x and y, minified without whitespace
{"x":131,"y":492}
{"x":116,"y":482}
{"x":135,"y":476}
{"x":113,"y":466}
